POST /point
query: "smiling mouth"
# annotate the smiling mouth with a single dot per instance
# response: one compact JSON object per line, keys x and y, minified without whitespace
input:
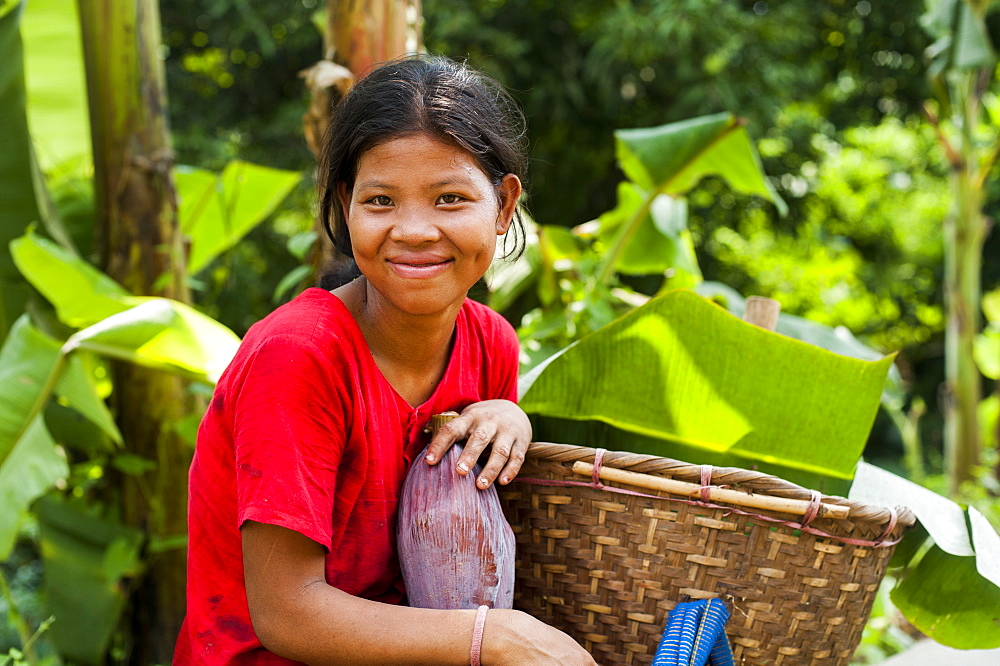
{"x":420,"y":270}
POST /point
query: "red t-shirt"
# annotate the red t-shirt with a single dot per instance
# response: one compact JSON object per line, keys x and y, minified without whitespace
{"x":304,"y":432}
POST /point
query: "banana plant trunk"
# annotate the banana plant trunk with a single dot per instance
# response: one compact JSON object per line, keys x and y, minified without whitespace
{"x":358,"y":34}
{"x":965,"y":233}
{"x":140,"y":246}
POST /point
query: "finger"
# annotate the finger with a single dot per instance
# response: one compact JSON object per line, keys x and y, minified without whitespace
{"x":451,"y":432}
{"x":514,"y":461}
{"x":479,"y":436}
{"x":502,"y":447}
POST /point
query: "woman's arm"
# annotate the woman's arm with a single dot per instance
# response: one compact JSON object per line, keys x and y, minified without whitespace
{"x":298,"y":616}
{"x":500,"y":423}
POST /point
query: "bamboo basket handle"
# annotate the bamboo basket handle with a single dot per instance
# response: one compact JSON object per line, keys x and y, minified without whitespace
{"x":715,"y":493}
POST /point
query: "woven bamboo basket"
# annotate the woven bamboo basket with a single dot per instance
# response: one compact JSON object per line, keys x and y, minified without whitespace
{"x":607,"y":568}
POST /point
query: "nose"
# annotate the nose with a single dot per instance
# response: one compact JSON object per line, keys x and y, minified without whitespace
{"x":414,"y":226}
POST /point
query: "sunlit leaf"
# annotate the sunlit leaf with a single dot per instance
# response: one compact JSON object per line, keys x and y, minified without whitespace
{"x":217,"y":211}
{"x":29,"y":462}
{"x":164,"y":334}
{"x":945,"y":597}
{"x":838,"y":339}
{"x":991,"y":306}
{"x":655,"y":245}
{"x":962,"y":39}
{"x":959,"y":565}
{"x":943,"y":519}
{"x":57,"y":98}
{"x":84,"y":559}
{"x":81,"y":294}
{"x":196,"y":192}
{"x":986,"y":541}
{"x":683,"y":370}
{"x":986,"y":351}
{"x":673,"y":158}
{"x":972,"y":44}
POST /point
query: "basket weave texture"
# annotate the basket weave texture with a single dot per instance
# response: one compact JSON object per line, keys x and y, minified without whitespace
{"x":606,"y":568}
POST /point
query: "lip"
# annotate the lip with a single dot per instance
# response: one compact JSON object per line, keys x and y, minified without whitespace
{"x":419,"y":266}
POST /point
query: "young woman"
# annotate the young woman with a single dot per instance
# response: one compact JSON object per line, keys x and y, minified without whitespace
{"x":304,"y":448}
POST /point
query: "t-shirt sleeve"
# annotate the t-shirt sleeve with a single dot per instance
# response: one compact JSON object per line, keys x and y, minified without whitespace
{"x":289,"y":430}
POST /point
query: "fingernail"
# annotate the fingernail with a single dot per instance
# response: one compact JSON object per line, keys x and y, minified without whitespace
{"x":463,"y":467}
{"x":429,"y":458}
{"x":483,"y":481}
{"x":505,"y":480}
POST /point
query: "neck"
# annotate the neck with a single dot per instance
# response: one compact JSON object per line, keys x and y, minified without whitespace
{"x":398,"y":338}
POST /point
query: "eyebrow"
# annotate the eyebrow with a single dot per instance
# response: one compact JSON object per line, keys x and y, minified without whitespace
{"x":441,"y":183}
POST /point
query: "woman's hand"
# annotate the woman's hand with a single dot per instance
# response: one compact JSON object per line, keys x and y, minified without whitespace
{"x":499,"y":423}
{"x":514,"y":638}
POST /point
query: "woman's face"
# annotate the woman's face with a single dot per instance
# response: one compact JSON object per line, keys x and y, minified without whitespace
{"x":424,"y":221}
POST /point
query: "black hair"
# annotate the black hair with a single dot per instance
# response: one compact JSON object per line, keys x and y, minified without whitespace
{"x":420,"y":94}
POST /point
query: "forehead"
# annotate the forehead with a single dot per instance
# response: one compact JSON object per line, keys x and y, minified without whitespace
{"x":418,"y":155}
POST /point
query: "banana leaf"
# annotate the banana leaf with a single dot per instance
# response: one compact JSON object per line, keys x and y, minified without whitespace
{"x":952,"y":593}
{"x":216,"y":211}
{"x":81,"y":294}
{"x":683,"y":371}
{"x":154,"y":332}
{"x":163,"y":334}
{"x":670,"y":160}
{"x":85,"y":559}
{"x":17,"y":193}
{"x":57,"y":96}
{"x":673,"y":158}
{"x":29,"y":461}
{"x":662,"y":240}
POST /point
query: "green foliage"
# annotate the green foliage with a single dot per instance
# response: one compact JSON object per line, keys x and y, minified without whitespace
{"x":85,"y":556}
{"x":867,"y":254}
{"x":216,"y":211}
{"x":29,"y":461}
{"x":987,"y":347}
{"x":17,"y":190}
{"x":576,"y":272}
{"x":951,"y":592}
{"x":85,"y":560}
{"x":57,"y":100}
{"x":232,"y":70}
{"x":155,"y":332}
{"x":583,"y":69}
{"x":683,"y":370}
{"x":944,"y":597}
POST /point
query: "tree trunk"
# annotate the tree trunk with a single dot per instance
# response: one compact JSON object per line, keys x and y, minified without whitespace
{"x":140,"y":246}
{"x":965,"y":233}
{"x":358,"y":34}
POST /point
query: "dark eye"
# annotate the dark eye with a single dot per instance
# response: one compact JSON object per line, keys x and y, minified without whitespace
{"x":449,"y":199}
{"x":381,"y":200}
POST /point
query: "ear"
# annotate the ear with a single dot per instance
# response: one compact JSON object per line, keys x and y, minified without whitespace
{"x":345,"y":200}
{"x":510,"y":192}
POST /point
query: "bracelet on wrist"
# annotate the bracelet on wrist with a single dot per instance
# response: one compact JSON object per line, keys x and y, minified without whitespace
{"x":477,"y":636}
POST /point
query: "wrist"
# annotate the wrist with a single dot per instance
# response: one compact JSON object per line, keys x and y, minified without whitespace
{"x":498,"y":637}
